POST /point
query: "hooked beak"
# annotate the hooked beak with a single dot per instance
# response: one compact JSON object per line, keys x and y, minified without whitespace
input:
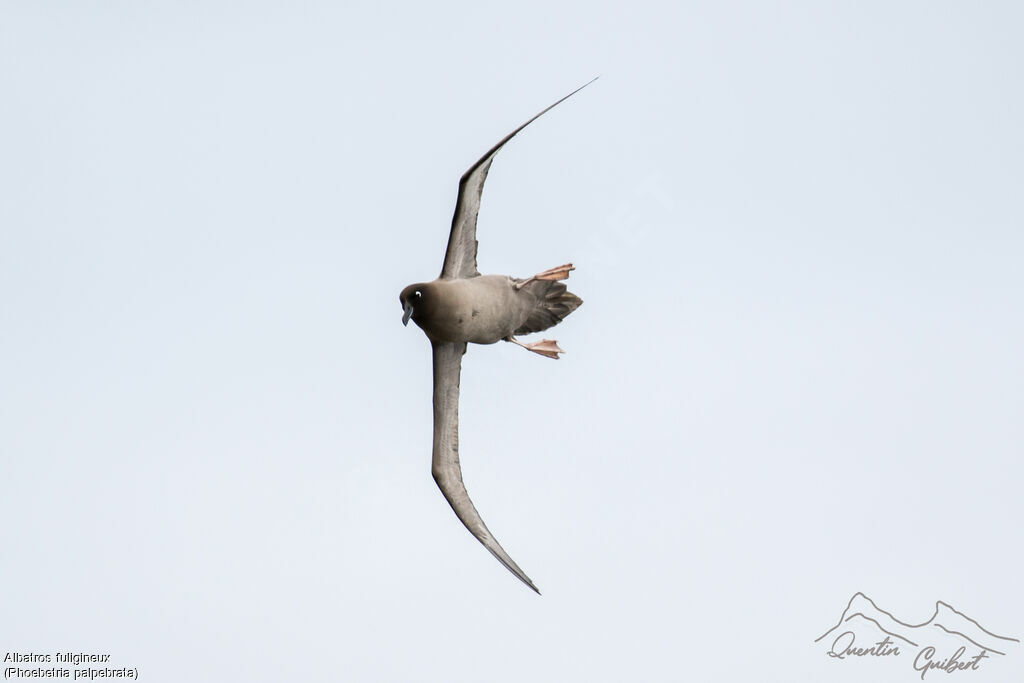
{"x":408,"y":313}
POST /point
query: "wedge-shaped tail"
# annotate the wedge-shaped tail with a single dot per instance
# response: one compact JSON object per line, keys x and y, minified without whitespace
{"x":553,"y":303}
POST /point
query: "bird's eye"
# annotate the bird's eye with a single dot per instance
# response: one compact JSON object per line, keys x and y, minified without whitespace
{"x":418,"y":295}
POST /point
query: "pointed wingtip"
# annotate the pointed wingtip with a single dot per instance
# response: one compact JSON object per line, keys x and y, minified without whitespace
{"x":525,"y":579}
{"x":582,"y":86}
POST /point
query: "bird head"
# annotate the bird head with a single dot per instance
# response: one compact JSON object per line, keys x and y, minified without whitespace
{"x":411,"y":297}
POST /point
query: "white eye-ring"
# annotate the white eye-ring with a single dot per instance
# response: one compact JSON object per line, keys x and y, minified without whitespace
{"x":417,"y":294}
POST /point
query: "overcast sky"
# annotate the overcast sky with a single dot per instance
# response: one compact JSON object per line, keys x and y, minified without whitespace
{"x":797,"y":374}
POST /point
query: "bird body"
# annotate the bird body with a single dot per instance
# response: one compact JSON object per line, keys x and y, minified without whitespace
{"x":488,"y":308}
{"x":481,"y":310}
{"x":461,"y":307}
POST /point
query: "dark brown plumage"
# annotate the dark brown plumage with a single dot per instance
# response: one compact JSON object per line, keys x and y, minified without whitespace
{"x":552,"y":303}
{"x":461,"y":307}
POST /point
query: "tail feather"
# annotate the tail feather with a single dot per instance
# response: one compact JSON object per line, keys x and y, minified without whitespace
{"x":554,"y":303}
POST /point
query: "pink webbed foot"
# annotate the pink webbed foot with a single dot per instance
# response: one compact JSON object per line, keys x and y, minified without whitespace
{"x":557,"y":273}
{"x":546,"y":347}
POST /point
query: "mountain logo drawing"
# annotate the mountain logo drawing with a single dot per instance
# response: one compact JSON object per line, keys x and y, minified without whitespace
{"x":950,"y":641}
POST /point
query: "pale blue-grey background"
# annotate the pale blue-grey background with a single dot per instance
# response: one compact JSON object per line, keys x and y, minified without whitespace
{"x":798,"y":373}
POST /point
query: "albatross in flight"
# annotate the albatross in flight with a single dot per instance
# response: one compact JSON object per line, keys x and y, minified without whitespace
{"x":463,"y":306}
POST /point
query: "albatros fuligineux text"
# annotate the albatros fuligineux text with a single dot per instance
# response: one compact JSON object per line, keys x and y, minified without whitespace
{"x":463,"y":306}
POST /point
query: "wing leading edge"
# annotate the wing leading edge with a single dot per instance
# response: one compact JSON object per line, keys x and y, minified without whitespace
{"x":445,"y":466}
{"x":460,"y":256}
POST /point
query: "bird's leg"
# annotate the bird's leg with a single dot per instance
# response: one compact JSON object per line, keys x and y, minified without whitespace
{"x":546,"y":347}
{"x":558,"y":273}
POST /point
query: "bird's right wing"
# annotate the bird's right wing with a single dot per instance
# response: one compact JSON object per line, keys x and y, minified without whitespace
{"x":460,"y":257}
{"x":446,"y":468}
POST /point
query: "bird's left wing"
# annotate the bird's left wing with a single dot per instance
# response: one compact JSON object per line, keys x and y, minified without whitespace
{"x":446,"y":468}
{"x":460,"y":257}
